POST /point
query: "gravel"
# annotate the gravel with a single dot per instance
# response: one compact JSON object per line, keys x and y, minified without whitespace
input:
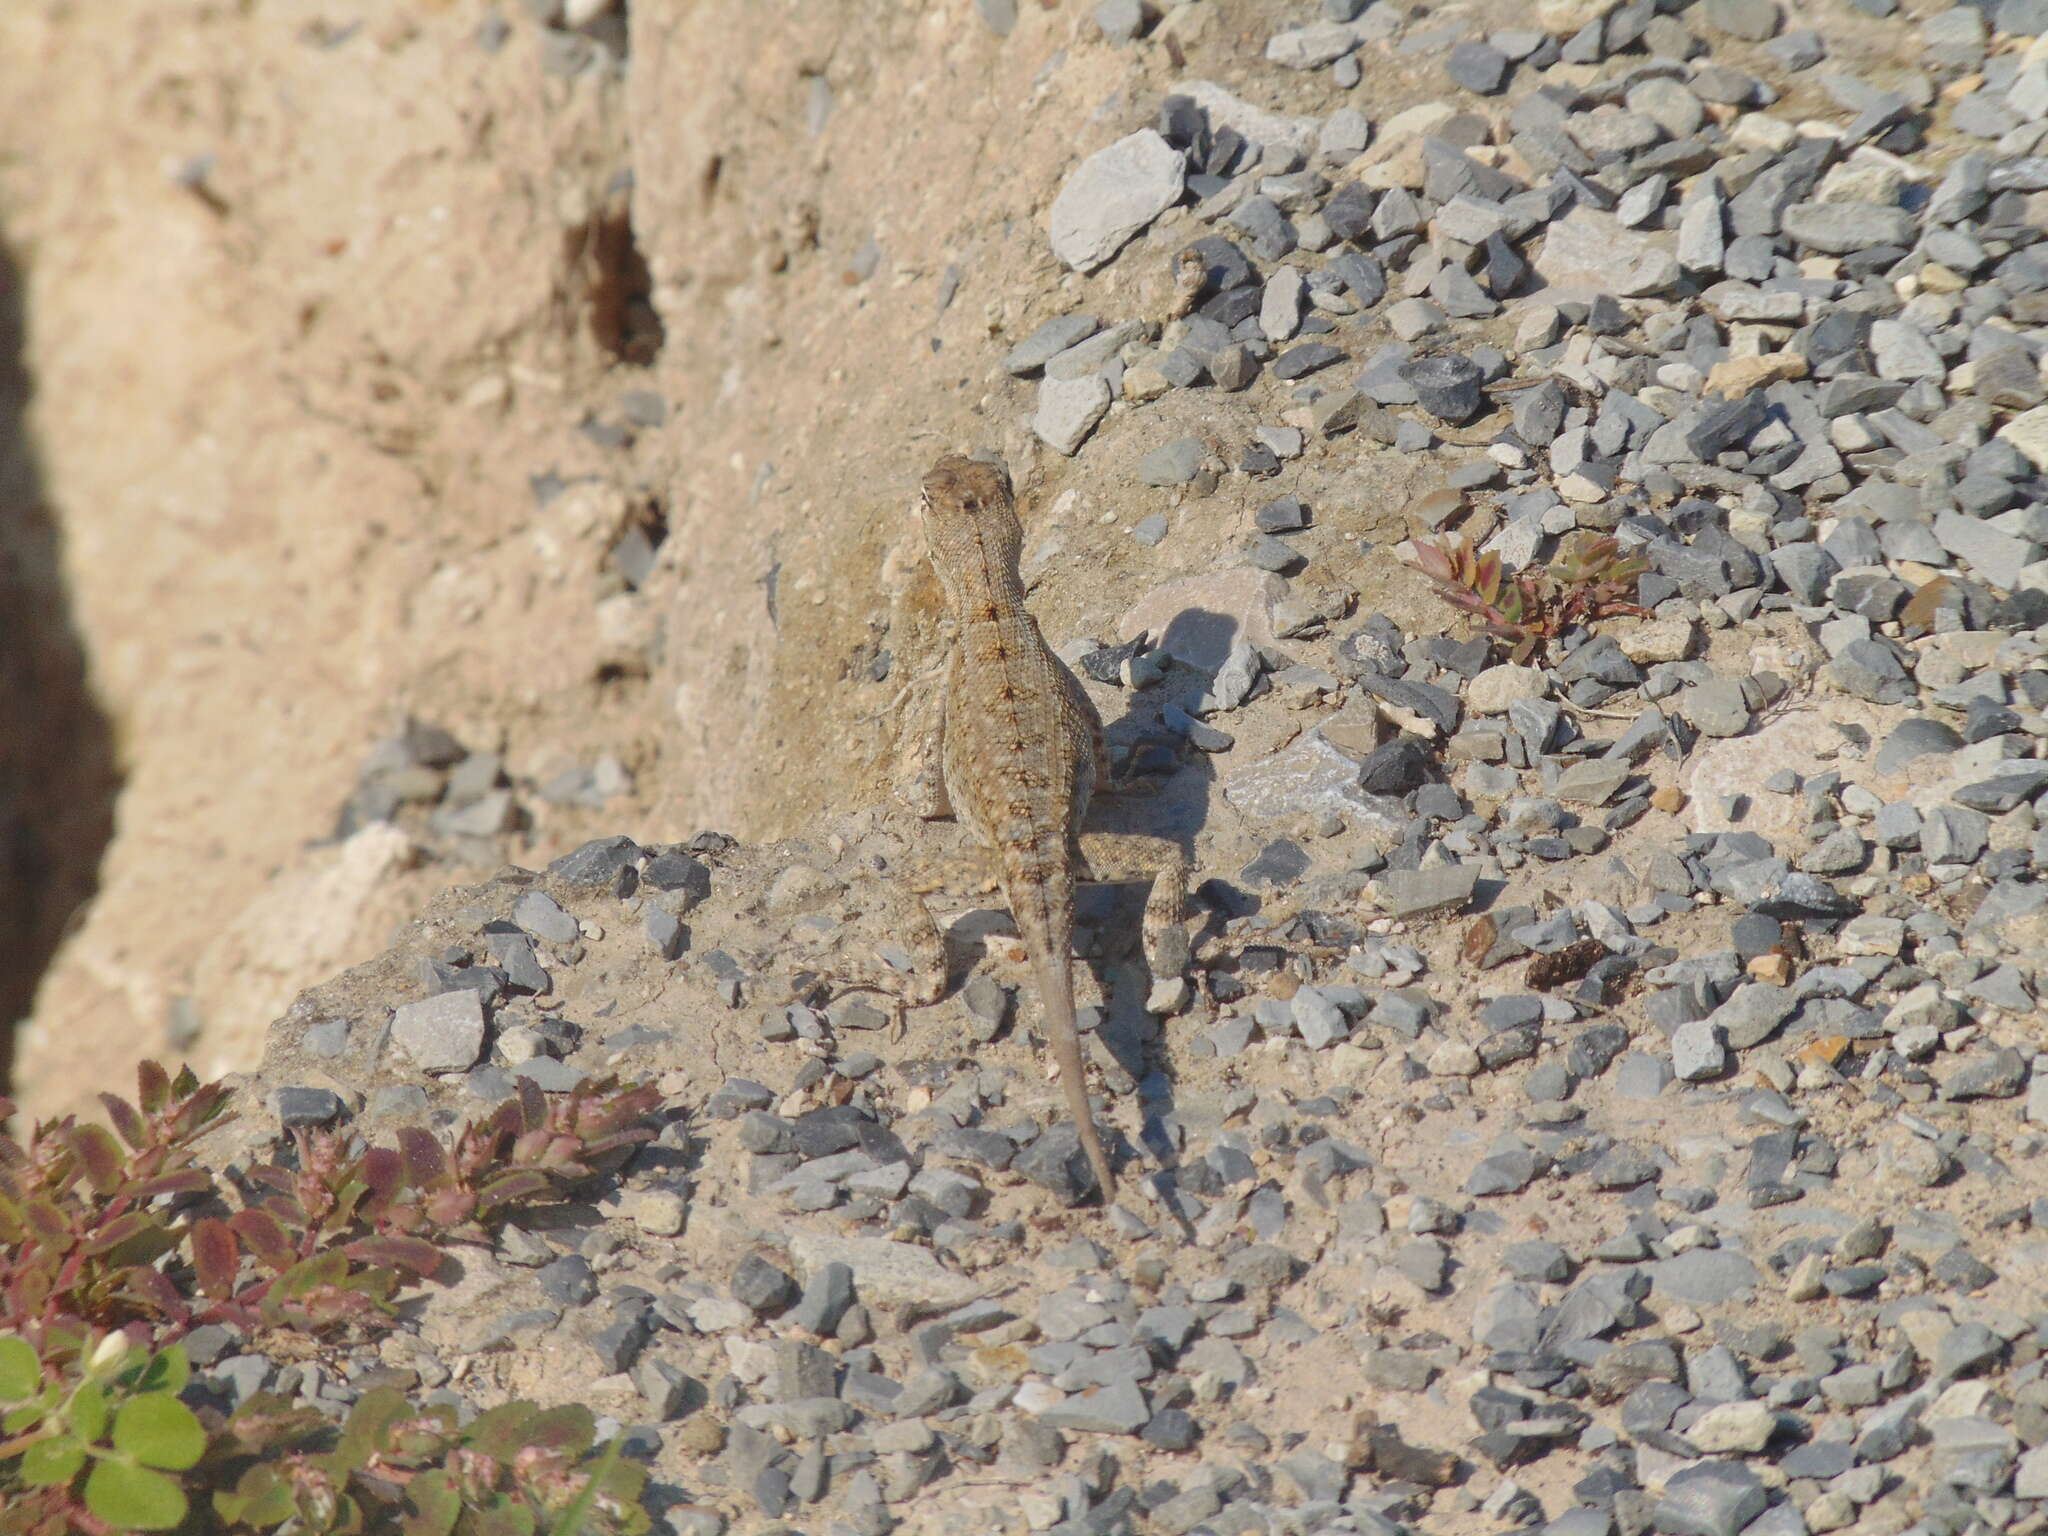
{"x":1613,"y":1053}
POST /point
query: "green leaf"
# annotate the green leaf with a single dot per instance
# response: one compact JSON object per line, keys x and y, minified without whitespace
{"x":122,"y":1229}
{"x":569,"y":1427}
{"x":53,"y":1462}
{"x":21,"y":1373}
{"x":167,"y":1371}
{"x":363,"y":1434}
{"x":505,"y":1520}
{"x":415,"y":1254}
{"x":88,"y":1411}
{"x":99,"y":1155}
{"x":262,"y":1498}
{"x":46,"y":1225}
{"x":159,"y":1431}
{"x":134,"y":1498}
{"x":15,"y":1420}
{"x":424,"y":1160}
{"x":433,"y":1504}
{"x":266,"y":1239}
{"x":500,"y":1431}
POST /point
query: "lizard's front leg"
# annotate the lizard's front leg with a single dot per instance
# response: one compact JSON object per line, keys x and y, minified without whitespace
{"x":921,"y":751}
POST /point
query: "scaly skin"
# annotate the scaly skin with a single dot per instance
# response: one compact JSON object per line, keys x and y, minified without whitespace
{"x":1022,"y":744}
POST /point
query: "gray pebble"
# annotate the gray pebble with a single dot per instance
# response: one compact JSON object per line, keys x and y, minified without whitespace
{"x":1174,"y":463}
{"x":1048,"y":341}
{"x":441,"y":1034}
{"x":1697,"y":1051}
{"x":1477,"y":67}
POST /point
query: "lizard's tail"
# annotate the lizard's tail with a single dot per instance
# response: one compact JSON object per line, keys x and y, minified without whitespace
{"x":1056,"y":994}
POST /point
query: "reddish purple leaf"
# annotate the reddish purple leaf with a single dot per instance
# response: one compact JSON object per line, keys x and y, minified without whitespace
{"x":424,"y":1160}
{"x":125,"y":1119}
{"x":265,"y":1238}
{"x":216,"y":1256}
{"x":152,"y":1087}
{"x":413,"y":1254}
{"x":99,"y":1155}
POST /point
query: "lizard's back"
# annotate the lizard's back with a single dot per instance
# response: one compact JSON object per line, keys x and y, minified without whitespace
{"x":1021,"y":744}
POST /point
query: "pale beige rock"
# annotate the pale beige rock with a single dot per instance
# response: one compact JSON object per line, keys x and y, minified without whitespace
{"x":2028,"y":432}
{"x":1258,"y":124}
{"x":1655,"y":640}
{"x":1739,"y":765}
{"x":891,"y":1273}
{"x":1740,"y":1428}
{"x":1737,"y":376}
{"x":1493,"y":690}
{"x":1586,"y":254}
{"x":1563,"y":17}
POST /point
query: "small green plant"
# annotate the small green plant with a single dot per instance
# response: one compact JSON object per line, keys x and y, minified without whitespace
{"x":110,"y":1253}
{"x":114,"y":1417}
{"x":1590,"y":579}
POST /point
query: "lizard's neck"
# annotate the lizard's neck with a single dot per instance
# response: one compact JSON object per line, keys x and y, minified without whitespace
{"x":982,"y":587}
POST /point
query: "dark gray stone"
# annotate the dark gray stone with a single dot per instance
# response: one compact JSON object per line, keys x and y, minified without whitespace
{"x":1450,"y":387}
{"x":1477,"y":67}
{"x":1715,"y":1498}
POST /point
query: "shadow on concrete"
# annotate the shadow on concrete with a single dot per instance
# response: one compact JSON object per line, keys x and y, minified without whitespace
{"x":58,"y":776}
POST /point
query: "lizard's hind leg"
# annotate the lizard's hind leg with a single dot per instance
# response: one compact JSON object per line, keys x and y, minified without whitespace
{"x":1117,"y":858}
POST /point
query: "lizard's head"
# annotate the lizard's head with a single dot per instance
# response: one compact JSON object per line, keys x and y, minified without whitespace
{"x":969,"y":499}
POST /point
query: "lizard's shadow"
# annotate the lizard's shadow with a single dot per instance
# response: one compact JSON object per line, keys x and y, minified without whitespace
{"x":1163,"y":787}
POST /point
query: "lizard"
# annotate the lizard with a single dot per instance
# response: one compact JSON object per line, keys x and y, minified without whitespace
{"x":1012,"y":747}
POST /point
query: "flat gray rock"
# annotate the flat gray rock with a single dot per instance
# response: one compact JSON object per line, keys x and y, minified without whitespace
{"x":443,"y":1033}
{"x":1703,"y":1277}
{"x":1312,"y":46}
{"x":1174,"y":463}
{"x":1068,"y":410}
{"x":1844,"y":227}
{"x":1116,"y":1409}
{"x":1047,"y":342}
{"x":1412,"y":892}
{"x":1715,"y":1498}
{"x":1913,"y":737}
{"x":1112,"y":195}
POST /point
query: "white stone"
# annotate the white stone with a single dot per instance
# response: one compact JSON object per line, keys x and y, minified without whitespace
{"x":1344,"y":133}
{"x":1564,"y":17}
{"x":1280,"y":304}
{"x":1312,"y":46}
{"x":1657,"y":640}
{"x":1275,"y":130}
{"x":1587,"y":253}
{"x":1068,"y":410}
{"x":1454,"y":1058}
{"x":1112,"y":195}
{"x":660,"y":1212}
{"x":1869,"y":934}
